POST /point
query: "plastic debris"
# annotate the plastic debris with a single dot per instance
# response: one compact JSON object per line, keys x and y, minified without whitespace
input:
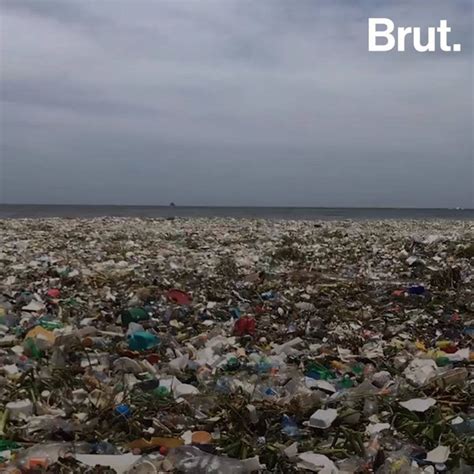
{"x":419,"y":404}
{"x":189,"y":459}
{"x":143,"y":341}
{"x":377,"y":428}
{"x":41,"y":336}
{"x":316,"y":463}
{"x":323,"y":418}
{"x":439,"y":455}
{"x":120,"y":463}
{"x":179,"y":297}
{"x":134,"y":315}
{"x":154,"y":442}
{"x":245,"y":326}
{"x":421,"y":371}
{"x":201,"y":437}
{"x":221,"y":345}
{"x":21,"y":409}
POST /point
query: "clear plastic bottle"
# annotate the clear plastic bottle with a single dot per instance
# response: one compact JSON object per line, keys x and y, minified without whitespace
{"x":399,"y":462}
{"x":289,"y":427}
{"x":43,"y":455}
{"x":189,"y":459}
{"x":148,"y":464}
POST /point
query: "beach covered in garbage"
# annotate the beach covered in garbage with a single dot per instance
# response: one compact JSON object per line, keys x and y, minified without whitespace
{"x":236,"y":346}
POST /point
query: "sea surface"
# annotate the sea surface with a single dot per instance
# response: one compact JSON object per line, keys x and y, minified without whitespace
{"x":290,"y":213}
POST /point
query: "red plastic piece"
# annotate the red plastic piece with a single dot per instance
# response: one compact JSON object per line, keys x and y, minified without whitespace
{"x":54,"y":293}
{"x":245,"y":325}
{"x":179,"y":297}
{"x":153,"y":358}
{"x":450,"y":349}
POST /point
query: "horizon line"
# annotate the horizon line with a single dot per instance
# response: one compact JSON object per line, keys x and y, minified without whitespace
{"x":199,"y":206}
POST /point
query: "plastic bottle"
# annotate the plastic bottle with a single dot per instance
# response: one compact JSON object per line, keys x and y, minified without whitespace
{"x":104,"y":447}
{"x":43,"y":455}
{"x":148,"y":464}
{"x":372,"y":449}
{"x":289,"y":427}
{"x":189,"y":459}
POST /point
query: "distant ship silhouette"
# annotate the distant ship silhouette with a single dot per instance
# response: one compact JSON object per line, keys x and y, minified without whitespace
{"x":172,"y":204}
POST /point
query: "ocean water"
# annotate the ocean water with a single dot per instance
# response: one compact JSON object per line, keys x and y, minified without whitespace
{"x":291,"y":213}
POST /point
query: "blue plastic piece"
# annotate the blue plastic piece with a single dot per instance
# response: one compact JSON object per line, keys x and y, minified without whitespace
{"x":123,"y":410}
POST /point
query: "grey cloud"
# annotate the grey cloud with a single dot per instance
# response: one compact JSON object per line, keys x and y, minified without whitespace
{"x":236,"y":102}
{"x":64,"y":11}
{"x":68,"y":96}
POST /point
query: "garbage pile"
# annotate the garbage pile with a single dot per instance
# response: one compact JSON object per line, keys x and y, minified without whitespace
{"x":236,"y":346}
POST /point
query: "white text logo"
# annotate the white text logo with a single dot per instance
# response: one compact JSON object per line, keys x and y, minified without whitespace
{"x":383,"y":37}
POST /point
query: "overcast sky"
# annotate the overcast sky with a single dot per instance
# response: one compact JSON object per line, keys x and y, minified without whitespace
{"x":232,"y":102}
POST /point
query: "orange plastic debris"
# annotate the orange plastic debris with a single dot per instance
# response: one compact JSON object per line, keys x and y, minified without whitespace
{"x":201,"y":437}
{"x":154,"y":442}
